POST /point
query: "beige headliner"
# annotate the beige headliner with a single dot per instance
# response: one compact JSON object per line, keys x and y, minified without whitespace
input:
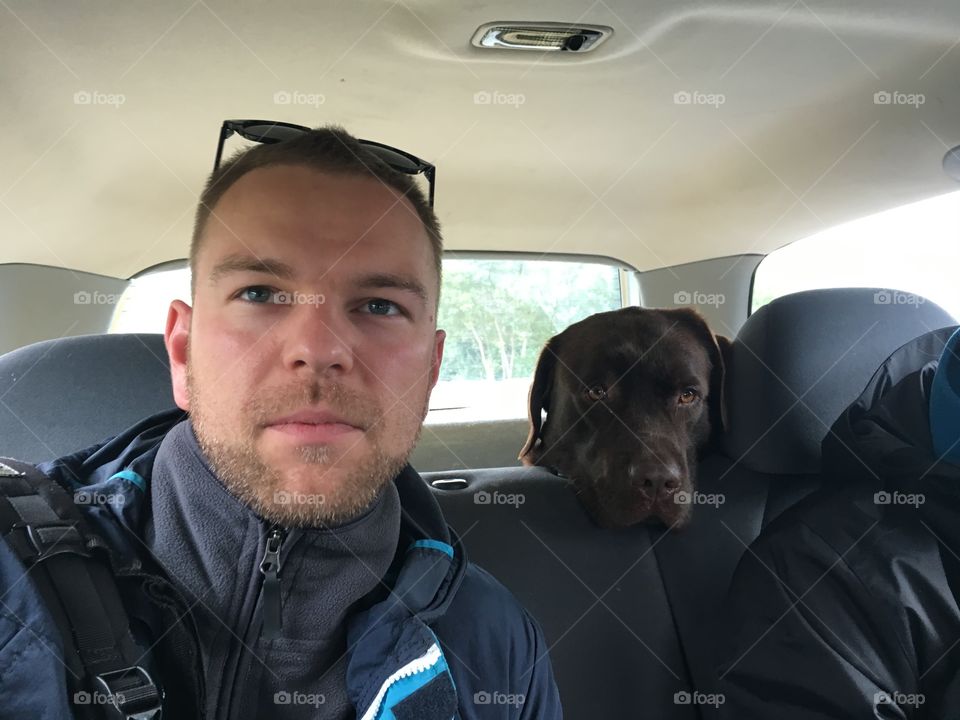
{"x":598,"y":159}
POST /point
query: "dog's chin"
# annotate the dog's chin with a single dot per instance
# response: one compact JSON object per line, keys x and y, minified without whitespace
{"x":613,"y":513}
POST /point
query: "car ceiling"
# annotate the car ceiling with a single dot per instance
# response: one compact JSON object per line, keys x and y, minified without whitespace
{"x":598,"y":158}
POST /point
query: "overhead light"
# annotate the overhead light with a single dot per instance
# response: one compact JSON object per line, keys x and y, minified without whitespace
{"x":540,"y":36}
{"x":951,"y":163}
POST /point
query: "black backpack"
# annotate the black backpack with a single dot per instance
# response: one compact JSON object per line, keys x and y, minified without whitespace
{"x":67,"y":562}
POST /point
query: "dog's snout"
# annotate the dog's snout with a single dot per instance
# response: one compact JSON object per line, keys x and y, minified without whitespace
{"x":655,"y":479}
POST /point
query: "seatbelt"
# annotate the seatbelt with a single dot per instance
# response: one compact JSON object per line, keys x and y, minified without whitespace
{"x":42,"y":524}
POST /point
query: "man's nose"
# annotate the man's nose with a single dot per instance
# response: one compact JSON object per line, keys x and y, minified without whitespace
{"x":318,"y":339}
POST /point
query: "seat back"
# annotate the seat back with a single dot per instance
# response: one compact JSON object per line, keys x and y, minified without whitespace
{"x":59,"y":396}
{"x":801,"y":360}
{"x":630,"y":615}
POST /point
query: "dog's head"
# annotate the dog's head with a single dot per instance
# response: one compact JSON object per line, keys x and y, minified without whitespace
{"x":632,"y":397}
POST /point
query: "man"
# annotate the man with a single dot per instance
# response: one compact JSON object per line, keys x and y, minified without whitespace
{"x":276,"y":554}
{"x":848,"y":606}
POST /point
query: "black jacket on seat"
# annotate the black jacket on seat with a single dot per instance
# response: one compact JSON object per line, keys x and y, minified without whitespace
{"x":848,"y":605}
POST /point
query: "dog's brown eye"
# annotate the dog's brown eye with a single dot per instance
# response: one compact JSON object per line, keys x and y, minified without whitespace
{"x":596,"y":392}
{"x":687,"y":396}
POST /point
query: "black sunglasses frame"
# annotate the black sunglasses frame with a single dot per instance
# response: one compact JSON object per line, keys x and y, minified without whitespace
{"x":240,"y":127}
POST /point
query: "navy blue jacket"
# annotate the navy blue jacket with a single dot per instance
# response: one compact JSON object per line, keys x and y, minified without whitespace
{"x":458,"y":644}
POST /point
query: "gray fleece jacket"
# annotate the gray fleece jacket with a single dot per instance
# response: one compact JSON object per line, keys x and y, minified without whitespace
{"x":212,"y":546}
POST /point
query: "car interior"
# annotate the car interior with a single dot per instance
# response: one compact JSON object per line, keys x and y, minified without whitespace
{"x":673,"y":149}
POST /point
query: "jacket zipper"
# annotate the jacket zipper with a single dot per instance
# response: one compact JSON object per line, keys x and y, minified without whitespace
{"x":270,"y":569}
{"x":278,"y":544}
{"x":429,"y":659}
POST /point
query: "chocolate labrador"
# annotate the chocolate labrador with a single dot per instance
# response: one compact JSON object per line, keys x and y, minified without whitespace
{"x":632,"y":398}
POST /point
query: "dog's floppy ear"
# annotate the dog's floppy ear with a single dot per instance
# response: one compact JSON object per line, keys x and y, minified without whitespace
{"x":718,"y":347}
{"x":539,"y":399}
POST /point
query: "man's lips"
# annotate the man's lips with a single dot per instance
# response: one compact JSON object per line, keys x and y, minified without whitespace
{"x":313,"y":425}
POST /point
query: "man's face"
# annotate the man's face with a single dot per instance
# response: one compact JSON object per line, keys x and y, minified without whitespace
{"x":308,"y":357}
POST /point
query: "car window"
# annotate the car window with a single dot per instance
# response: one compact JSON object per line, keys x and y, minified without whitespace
{"x":898,"y":250}
{"x":498,"y":313}
{"x":142,"y":308}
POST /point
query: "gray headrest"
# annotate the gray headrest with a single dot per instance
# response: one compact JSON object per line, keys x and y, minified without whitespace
{"x":798,"y":362}
{"x":60,"y":396}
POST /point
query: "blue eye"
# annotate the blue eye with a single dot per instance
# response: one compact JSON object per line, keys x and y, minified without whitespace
{"x":257,"y":294}
{"x":382,"y":307}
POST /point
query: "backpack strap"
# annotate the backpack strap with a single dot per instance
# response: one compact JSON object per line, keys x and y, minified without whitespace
{"x":43,"y":525}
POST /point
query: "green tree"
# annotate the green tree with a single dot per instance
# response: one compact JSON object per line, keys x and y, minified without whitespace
{"x":492,"y":334}
{"x":498,"y":314}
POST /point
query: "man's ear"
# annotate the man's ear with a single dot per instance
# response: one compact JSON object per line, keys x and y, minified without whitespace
{"x":439,"y":337}
{"x":539,"y":400}
{"x":436,"y":360}
{"x":176,"y":336}
{"x":718,"y":348}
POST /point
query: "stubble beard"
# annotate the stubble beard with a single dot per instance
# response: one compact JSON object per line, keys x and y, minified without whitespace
{"x":238,"y":464}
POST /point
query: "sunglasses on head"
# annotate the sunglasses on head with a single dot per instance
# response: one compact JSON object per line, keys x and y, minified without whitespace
{"x":269,"y":131}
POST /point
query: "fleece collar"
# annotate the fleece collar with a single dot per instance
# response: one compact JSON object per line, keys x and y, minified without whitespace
{"x":117,"y":472}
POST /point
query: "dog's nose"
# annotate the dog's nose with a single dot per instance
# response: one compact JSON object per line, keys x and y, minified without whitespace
{"x":656,"y":480}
